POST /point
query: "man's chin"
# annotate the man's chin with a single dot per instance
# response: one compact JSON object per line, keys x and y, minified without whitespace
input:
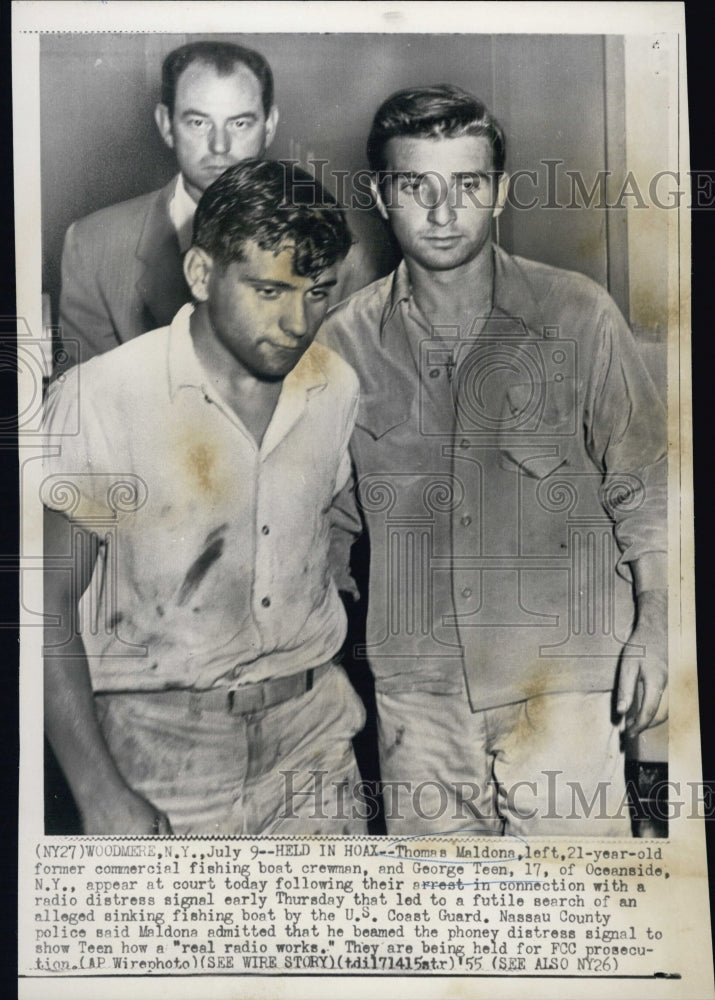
{"x":446,"y":257}
{"x":276,"y":371}
{"x":209,"y":175}
{"x":445,"y":260}
{"x":275,"y":375}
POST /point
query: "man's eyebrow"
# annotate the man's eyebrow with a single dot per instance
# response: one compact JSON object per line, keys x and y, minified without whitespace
{"x":412,"y":175}
{"x":263,"y":282}
{"x":197,"y":113}
{"x":273,"y":283}
{"x":407,"y":174}
{"x":485,"y":174}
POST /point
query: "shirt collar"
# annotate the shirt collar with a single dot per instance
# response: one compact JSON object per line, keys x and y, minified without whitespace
{"x":181,"y":212}
{"x":513,"y":294}
{"x":399,"y":292}
{"x":185,"y":369}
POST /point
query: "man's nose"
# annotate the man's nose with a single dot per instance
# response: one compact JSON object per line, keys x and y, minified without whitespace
{"x":219,"y":140}
{"x":294,"y":319}
{"x":442,"y":209}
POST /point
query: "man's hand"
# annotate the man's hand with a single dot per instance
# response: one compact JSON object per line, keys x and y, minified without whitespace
{"x":642,"y":680}
{"x":127,"y":812}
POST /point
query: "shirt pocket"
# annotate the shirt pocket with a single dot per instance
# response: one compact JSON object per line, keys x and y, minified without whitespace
{"x":539,"y":430}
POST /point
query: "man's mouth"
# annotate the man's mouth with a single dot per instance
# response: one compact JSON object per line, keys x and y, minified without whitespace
{"x":217,"y":168}
{"x":291,"y":348}
{"x":444,"y":240}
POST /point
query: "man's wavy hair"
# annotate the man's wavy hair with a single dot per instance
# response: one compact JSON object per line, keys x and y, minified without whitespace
{"x":439,"y":111}
{"x":222,"y":57}
{"x":276,"y":205}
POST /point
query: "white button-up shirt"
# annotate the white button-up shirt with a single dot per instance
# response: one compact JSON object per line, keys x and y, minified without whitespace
{"x":215,"y":567}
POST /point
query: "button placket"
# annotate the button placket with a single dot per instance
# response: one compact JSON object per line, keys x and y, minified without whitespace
{"x":264,"y":556}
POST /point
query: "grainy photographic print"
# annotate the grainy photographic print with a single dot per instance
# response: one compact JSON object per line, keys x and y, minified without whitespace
{"x":354,"y":376}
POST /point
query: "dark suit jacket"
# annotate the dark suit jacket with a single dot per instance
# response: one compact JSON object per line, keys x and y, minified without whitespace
{"x":122,"y":272}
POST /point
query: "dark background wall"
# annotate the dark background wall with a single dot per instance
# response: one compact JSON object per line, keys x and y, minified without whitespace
{"x":99,"y":143}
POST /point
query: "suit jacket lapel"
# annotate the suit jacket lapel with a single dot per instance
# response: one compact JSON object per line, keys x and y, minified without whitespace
{"x":161,"y":284}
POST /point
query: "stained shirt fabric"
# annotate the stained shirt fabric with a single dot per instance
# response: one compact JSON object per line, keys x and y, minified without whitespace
{"x":214,"y":568}
{"x":508,"y":475}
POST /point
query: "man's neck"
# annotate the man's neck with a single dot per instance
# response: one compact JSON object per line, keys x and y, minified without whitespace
{"x":252,"y":399}
{"x":457,"y":297}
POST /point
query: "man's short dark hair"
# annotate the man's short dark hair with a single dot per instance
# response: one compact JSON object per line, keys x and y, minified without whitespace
{"x":442,"y":110}
{"x":275,"y":205}
{"x":223,"y":57}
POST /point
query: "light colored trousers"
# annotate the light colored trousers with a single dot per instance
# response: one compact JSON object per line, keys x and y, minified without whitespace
{"x":551,"y":765}
{"x":289,"y":769}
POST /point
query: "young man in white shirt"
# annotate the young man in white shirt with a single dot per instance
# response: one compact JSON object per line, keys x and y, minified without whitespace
{"x":196,"y":469}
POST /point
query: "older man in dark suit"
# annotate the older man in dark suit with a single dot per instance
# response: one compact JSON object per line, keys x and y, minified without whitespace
{"x":122,"y":266}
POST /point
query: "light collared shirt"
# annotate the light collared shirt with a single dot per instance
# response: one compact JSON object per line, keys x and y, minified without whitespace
{"x":182,"y":209}
{"x":215,"y":567}
{"x":509,"y":475}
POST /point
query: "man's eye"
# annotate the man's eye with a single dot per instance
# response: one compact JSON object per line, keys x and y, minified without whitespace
{"x":239,"y":124}
{"x":197,"y":123}
{"x":268,"y":293}
{"x":410,"y":184}
{"x":470,"y":183}
{"x":318,"y":294}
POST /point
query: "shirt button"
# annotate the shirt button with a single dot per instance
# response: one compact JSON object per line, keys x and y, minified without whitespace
{"x":265,"y":529}
{"x":467,"y":592}
{"x":266,"y":602}
{"x":434,"y":373}
{"x":466,"y":520}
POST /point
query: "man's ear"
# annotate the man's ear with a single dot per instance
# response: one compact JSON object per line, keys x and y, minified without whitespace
{"x":502,"y":192}
{"x":375,"y":191}
{"x":163,"y":123}
{"x":271,"y":125}
{"x":198,"y":266}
